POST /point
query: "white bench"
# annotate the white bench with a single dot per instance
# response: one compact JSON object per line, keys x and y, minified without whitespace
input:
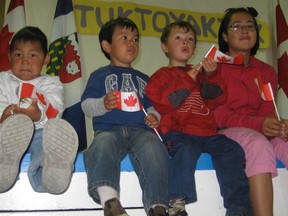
{"x":22,"y":200}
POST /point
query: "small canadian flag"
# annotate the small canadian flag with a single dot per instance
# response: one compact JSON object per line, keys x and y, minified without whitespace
{"x":266,"y":92}
{"x":27,"y":92}
{"x":220,"y":57}
{"x":129,"y":101}
{"x":264,"y":89}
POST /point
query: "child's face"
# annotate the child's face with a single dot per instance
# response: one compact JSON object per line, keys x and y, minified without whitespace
{"x":124,"y":47}
{"x":180,"y":46}
{"x":244,"y":37}
{"x":27,"y":60}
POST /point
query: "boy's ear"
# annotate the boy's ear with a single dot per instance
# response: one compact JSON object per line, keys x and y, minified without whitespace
{"x":164,"y":48}
{"x":106,"y":46}
{"x":47,"y":59}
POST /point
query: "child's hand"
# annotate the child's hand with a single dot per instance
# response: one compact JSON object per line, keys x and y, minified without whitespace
{"x":32,"y":111}
{"x":194,"y":71}
{"x":272,"y":127}
{"x":110,"y":100}
{"x":152,"y":120}
{"x":209,"y":65}
{"x":10,"y":110}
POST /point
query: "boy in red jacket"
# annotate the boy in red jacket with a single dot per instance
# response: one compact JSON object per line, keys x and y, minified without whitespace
{"x":185,"y":97}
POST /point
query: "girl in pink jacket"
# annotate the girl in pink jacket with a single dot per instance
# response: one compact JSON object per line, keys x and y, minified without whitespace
{"x":246,"y":117}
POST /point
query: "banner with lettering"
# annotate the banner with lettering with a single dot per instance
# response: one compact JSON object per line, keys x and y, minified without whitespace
{"x":91,"y":15}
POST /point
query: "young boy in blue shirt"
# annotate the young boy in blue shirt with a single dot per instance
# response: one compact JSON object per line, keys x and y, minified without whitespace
{"x":118,"y":132}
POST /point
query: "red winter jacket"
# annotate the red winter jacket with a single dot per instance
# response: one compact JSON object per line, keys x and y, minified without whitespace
{"x":244,"y":106}
{"x":176,"y":96}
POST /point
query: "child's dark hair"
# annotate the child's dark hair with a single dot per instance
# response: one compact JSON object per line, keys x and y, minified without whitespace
{"x":180,"y":24}
{"x":30,"y":34}
{"x":223,"y":46}
{"x":109,"y":27}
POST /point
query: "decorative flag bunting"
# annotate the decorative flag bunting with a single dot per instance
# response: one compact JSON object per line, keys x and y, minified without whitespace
{"x":266,"y":92}
{"x":27,"y":92}
{"x":129,"y":101}
{"x":14,"y":21}
{"x":220,"y":57}
{"x":65,"y":63}
{"x":282,"y":43}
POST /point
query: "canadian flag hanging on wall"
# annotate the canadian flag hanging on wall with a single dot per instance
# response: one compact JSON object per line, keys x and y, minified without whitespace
{"x":14,"y":21}
{"x":129,"y":101}
{"x":220,"y":57}
{"x":282,"y":43}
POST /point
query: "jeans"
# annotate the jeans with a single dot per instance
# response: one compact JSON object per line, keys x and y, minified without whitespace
{"x":228,"y":161}
{"x":147,"y":154}
{"x":35,"y":168}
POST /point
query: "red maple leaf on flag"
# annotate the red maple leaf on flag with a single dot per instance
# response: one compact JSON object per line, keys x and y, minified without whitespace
{"x":41,"y":98}
{"x":222,"y":59}
{"x":131,"y":101}
{"x":14,"y":21}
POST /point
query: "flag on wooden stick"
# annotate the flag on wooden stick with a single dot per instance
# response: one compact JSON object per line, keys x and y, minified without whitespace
{"x":266,"y":92}
{"x":220,"y":57}
{"x":128,"y":101}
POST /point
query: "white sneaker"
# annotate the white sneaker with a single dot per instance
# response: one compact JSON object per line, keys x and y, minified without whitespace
{"x":60,"y":144}
{"x":15,"y":136}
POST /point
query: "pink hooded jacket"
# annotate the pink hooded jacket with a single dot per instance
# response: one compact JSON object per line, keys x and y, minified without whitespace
{"x":244,"y":106}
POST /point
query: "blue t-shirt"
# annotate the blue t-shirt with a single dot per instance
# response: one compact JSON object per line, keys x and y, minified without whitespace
{"x":123,"y":79}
